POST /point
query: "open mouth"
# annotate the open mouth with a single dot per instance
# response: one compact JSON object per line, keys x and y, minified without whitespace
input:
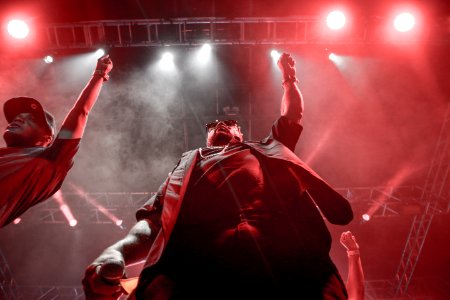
{"x":13,"y":125}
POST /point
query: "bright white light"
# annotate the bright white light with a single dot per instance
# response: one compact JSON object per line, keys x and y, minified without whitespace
{"x":17,"y":221}
{"x":166,"y":62}
{"x":119,"y":222}
{"x":337,"y":59}
{"x":73,"y":223}
{"x":366,"y":217}
{"x":335,"y":20}
{"x":404,"y":22}
{"x":48,"y":59}
{"x":275,"y":55}
{"x":99,"y":53}
{"x":18,"y":29}
{"x":204,"y":53}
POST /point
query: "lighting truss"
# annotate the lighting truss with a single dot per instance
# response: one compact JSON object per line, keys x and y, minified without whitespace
{"x":8,"y":286}
{"x":392,"y":201}
{"x":222,"y":31}
{"x":436,"y":190}
{"x":121,"y":204}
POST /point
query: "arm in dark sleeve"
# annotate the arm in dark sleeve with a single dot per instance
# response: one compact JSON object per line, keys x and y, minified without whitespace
{"x":286,"y":131}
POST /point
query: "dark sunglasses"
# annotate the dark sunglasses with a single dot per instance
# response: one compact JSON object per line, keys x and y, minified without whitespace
{"x":228,"y":123}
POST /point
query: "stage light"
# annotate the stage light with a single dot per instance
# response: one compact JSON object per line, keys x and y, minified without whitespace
{"x":366,"y":217}
{"x":18,"y":29}
{"x":65,"y":209}
{"x":48,"y":59}
{"x":204,"y":53}
{"x":101,"y":208}
{"x":275,"y":55}
{"x":337,"y":59}
{"x":336,"y":20}
{"x":404,"y":22}
{"x":17,"y":221}
{"x":166,"y":62}
{"x":99,"y":53}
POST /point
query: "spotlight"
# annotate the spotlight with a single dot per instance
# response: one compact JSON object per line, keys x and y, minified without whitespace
{"x":404,"y":22}
{"x":366,"y":217}
{"x":17,"y":221}
{"x":275,"y":55}
{"x":98,"y":206}
{"x":336,"y":20}
{"x":204,"y":53}
{"x":99,"y":53}
{"x":65,"y":209}
{"x":337,"y":59}
{"x":48,"y":59}
{"x":18,"y":29}
{"x":166,"y":62}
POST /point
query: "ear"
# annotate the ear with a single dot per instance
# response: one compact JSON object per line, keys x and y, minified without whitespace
{"x":46,"y":140}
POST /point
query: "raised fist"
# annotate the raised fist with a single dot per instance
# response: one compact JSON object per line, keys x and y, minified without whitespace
{"x":287,"y":66}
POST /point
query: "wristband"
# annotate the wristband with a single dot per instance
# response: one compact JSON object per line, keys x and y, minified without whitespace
{"x":352,"y":252}
{"x":102,"y":74}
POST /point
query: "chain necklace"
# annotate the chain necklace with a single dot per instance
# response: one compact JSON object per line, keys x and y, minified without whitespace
{"x":200,"y":151}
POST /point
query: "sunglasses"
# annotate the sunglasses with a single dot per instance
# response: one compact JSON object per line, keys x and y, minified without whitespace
{"x":229,"y":123}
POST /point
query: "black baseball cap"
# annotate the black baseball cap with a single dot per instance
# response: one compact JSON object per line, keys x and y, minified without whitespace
{"x":18,"y":105}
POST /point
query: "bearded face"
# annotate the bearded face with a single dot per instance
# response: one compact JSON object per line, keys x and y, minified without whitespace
{"x":223,"y":132}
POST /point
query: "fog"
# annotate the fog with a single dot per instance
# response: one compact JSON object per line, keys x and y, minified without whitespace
{"x":372,"y":120}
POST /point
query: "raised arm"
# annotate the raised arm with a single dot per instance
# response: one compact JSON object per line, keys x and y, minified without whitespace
{"x":102,"y":277}
{"x":75,"y":121}
{"x":292,"y":101}
{"x":355,"y":278}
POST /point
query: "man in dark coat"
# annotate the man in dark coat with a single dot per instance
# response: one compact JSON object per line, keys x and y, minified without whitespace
{"x":234,"y":220}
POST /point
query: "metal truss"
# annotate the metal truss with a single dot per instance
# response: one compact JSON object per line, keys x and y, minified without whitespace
{"x":52,"y":292}
{"x":221,"y":31}
{"x":8,"y":287}
{"x":436,"y":191}
{"x":374,"y":290}
{"x":385,"y":201}
{"x":120,"y":204}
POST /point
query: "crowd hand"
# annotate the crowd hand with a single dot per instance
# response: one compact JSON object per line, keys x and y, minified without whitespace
{"x":104,"y":64}
{"x":287,"y":66}
{"x":348,"y":241}
{"x":102,"y":281}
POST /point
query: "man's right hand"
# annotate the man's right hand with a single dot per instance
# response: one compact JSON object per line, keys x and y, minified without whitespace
{"x":102,"y":280}
{"x":286,"y":63}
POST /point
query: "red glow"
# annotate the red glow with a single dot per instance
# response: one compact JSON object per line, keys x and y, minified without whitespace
{"x":58,"y":196}
{"x":100,"y":207}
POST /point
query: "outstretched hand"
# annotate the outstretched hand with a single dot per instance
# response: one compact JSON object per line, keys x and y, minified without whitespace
{"x":286,"y":63}
{"x":348,"y":241}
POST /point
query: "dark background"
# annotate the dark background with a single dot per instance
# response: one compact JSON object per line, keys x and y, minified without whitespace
{"x":372,"y":122}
